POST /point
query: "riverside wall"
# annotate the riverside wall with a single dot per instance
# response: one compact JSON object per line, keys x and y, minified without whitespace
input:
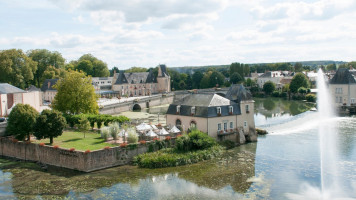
{"x":76,"y":160}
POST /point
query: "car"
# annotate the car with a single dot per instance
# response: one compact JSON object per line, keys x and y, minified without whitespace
{"x":2,"y":119}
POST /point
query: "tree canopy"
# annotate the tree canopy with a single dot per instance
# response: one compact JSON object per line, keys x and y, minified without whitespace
{"x":269,"y":87}
{"x":45,"y":59}
{"x":299,"y":80}
{"x":235,"y":78}
{"x":16,"y":68}
{"x":49,"y":124}
{"x":21,"y":121}
{"x":136,"y":69}
{"x":75,"y":94}
{"x":92,"y":66}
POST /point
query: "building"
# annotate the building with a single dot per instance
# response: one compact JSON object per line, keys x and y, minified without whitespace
{"x":11,"y":95}
{"x":121,"y":84}
{"x":142,"y":83}
{"x":273,"y":76}
{"x":48,"y":92}
{"x":343,"y":88}
{"x":230,"y":117}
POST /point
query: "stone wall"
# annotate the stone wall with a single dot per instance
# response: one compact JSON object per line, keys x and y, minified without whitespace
{"x":77,"y":160}
{"x":3,"y":126}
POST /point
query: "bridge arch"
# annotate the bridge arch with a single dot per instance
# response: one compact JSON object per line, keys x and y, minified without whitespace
{"x":136,"y":107}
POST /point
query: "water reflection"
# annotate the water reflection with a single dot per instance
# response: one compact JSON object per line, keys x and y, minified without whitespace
{"x":223,"y":177}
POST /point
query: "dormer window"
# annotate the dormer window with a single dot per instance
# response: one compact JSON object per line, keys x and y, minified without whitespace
{"x":218,"y":109}
{"x":192,"y":110}
{"x":178,"y":109}
{"x":231,"y":110}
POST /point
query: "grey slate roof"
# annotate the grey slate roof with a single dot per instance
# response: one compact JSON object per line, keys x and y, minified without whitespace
{"x":121,"y":79}
{"x":49,"y":82}
{"x":164,"y":70}
{"x":33,"y":88}
{"x":343,"y":76}
{"x":151,"y":77}
{"x":205,"y":106}
{"x":266,"y":75}
{"x":238,"y":93}
{"x":6,"y":88}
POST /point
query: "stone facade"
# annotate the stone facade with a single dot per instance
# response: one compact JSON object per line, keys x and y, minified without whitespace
{"x":220,"y":117}
{"x":343,"y":88}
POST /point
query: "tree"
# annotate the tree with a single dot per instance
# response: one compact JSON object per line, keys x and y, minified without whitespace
{"x":235,"y":78}
{"x":204,"y":83}
{"x":75,"y":94}
{"x":269,"y":87}
{"x":331,"y":67}
{"x":114,"y":69}
{"x":197,"y":76}
{"x":298,"y":67}
{"x":92,"y":66}
{"x":52,"y":72}
{"x":16,"y":68}
{"x":21,"y":121}
{"x":45,"y":59}
{"x":249,"y":82}
{"x":49,"y":124}
{"x":299,"y":80}
{"x":216,"y":79}
{"x":83,"y":125}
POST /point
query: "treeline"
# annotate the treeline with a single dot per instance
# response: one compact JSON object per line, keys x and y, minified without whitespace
{"x":23,"y":69}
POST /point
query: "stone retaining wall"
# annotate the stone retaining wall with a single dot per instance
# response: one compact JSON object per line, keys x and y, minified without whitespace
{"x":77,"y":160}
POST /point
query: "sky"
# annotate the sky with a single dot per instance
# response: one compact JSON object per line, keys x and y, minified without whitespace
{"x":145,"y":33}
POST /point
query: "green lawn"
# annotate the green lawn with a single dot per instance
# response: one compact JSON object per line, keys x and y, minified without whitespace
{"x":73,"y":139}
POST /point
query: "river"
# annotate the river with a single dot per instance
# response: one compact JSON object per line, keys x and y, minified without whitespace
{"x":280,"y":165}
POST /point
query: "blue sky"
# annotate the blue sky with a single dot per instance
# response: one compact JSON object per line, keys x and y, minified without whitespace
{"x":146,"y":33}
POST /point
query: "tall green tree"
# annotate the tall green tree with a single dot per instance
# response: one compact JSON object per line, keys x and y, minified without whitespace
{"x":49,"y":124}
{"x":45,"y":59}
{"x":196,"y":79}
{"x":21,"y":121}
{"x":16,"y":68}
{"x":216,"y":79}
{"x":92,"y":66}
{"x":75,"y":94}
{"x":136,"y":69}
{"x":269,"y":87}
{"x":299,"y":80}
{"x":331,"y":67}
{"x":235,"y":78}
{"x":298,"y":67}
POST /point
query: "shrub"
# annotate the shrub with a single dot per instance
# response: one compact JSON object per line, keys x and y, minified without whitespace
{"x":228,"y":144}
{"x":200,"y":140}
{"x":276,"y":94}
{"x":261,"y":131}
{"x":179,"y":135}
{"x":21,"y":121}
{"x":171,"y":157}
{"x":159,"y":144}
{"x":114,"y":130}
{"x":132,"y":136}
{"x":302,"y":90}
{"x":105,"y":132}
{"x":310,"y":98}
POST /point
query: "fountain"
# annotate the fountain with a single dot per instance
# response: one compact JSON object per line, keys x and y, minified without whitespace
{"x":327,"y":140}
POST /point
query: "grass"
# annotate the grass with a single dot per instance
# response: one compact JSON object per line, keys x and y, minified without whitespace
{"x":74,"y":139}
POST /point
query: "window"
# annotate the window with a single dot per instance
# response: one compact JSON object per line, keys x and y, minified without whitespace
{"x":247,"y":108}
{"x":337,"y":99}
{"x":231,"y":109}
{"x":219,"y":127}
{"x":340,"y":99}
{"x":352,"y":100}
{"x":218,"y":109}
{"x":192,"y":110}
{"x":193,"y":124}
{"x":178,"y":123}
{"x":231,"y":125}
{"x":225,"y":126}
{"x":245,"y":124}
{"x":178,"y":109}
{"x":102,"y":82}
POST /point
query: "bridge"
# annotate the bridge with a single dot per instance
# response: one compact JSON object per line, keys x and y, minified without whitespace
{"x":138,"y":103}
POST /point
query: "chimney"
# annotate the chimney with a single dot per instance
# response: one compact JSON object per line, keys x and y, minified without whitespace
{"x":49,"y":84}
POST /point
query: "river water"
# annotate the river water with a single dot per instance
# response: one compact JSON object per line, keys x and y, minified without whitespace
{"x":281,"y":165}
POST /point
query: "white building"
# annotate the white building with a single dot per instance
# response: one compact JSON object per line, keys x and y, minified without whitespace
{"x":273,"y":76}
{"x":343,"y":88}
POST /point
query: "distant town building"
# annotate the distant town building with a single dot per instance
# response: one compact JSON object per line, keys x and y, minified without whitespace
{"x":48,"y":92}
{"x":343,"y":88}
{"x":11,"y":95}
{"x":273,"y":76}
{"x":230,"y":117}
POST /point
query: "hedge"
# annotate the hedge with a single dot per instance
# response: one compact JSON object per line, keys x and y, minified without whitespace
{"x":98,"y":119}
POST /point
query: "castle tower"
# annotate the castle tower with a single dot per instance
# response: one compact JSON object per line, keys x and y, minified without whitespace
{"x":163,"y":79}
